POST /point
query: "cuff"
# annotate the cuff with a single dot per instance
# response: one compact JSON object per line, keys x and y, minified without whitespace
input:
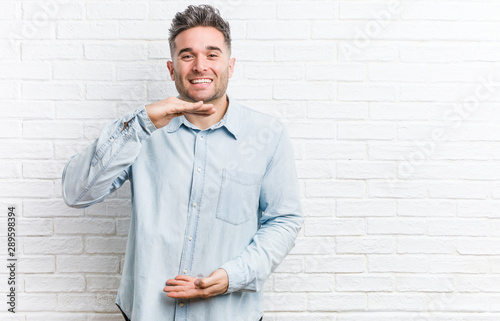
{"x":235,"y":275}
{"x":143,"y":125}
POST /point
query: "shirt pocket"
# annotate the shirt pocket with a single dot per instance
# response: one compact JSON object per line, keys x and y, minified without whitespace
{"x":238,"y":197}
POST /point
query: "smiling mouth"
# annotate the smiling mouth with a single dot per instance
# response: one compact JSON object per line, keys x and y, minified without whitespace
{"x":201,"y":81}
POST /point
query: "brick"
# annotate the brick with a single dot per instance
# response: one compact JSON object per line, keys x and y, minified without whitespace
{"x":386,"y":301}
{"x":406,"y":264}
{"x":9,"y":11}
{"x":27,"y":188}
{"x":85,"y":110}
{"x":285,"y":302}
{"x":27,"y":30}
{"x":314,"y":169}
{"x":344,"y":110}
{"x":478,"y":209}
{"x":274,"y":71}
{"x":251,"y":90}
{"x":398,"y":72}
{"x":42,"y":169}
{"x":368,"y":10}
{"x":54,"y":283}
{"x":458,"y":265}
{"x":52,"y":90}
{"x":305,"y":51}
{"x":25,"y":70}
{"x":471,"y":283}
{"x":363,"y":169}
{"x":115,"y":52}
{"x":51,"y":129}
{"x":9,"y":90}
{"x":143,"y":30}
{"x":464,"y":190}
{"x":334,"y":227}
{"x":87,"y":30}
{"x":10,"y":169}
{"x":337,"y":302}
{"x":117,"y":10}
{"x":336,"y":72}
{"x":248,"y":10}
{"x":407,"y":111}
{"x":10,"y":129}
{"x":27,"y":110}
{"x":430,"y":11}
{"x":363,"y":92}
{"x":51,"y":50}
{"x":102,"y":282}
{"x":122,"y":226}
{"x":277,"y":30}
{"x":37,"y":264}
{"x":327,"y":188}
{"x":36,"y":302}
{"x":429,"y":93}
{"x":299,"y":10}
{"x":397,"y":189}
{"x":366,"y":130}
{"x":53,"y":245}
{"x":365,"y":208}
{"x":364,"y":283}
{"x":311,"y":130}
{"x":142,"y":72}
{"x":83,"y":226}
{"x":351,"y":50}
{"x":83,"y":71}
{"x":90,"y":264}
{"x":458,"y":227}
{"x":49,"y":208}
{"x":57,"y":316}
{"x":302,"y":283}
{"x":425,"y":245}
{"x":477,"y":246}
{"x":337,"y":263}
{"x":52,"y":11}
{"x":313,"y":245}
{"x":116,"y":92}
{"x":86,"y":302}
{"x":303,"y":91}
{"x":35,"y":227}
{"x":425,"y":284}
{"x":291,"y":264}
{"x":106,"y":245}
{"x":405,"y":226}
{"x":364,"y":245}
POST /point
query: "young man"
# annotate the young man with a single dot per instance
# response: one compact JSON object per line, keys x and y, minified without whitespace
{"x":215,"y":198}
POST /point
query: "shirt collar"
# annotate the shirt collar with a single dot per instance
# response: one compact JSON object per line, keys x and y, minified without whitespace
{"x":231,"y":120}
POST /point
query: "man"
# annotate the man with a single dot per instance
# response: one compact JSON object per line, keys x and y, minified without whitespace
{"x":215,"y":198}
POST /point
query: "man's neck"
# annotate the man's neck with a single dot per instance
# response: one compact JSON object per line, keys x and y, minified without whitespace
{"x":204,"y":122}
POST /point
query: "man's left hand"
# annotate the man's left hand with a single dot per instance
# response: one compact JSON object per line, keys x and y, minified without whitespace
{"x":188,"y":287}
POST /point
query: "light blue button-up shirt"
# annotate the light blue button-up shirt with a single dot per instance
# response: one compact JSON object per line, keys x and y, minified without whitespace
{"x":224,"y":197}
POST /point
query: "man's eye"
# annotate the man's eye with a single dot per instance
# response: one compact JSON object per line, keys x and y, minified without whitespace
{"x":186,"y":56}
{"x":212,"y":55}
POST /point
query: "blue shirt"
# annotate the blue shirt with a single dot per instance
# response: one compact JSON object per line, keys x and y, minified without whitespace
{"x":224,"y":197}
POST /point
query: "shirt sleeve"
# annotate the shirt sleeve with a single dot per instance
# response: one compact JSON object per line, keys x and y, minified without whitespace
{"x":90,"y":176}
{"x":281,"y":221}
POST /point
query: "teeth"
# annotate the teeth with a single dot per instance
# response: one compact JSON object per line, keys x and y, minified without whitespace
{"x":201,"y":81}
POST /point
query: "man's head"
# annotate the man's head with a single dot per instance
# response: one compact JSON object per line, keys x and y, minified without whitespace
{"x":200,"y":46}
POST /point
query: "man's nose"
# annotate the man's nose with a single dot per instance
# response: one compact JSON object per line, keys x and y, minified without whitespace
{"x":200,"y":65}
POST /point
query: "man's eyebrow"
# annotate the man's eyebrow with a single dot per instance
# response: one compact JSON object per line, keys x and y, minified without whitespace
{"x":184,"y":50}
{"x":211,"y":48}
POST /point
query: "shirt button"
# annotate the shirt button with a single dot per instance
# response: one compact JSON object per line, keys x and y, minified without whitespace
{"x":201,"y":137}
{"x":181,"y":304}
{"x":190,"y":238}
{"x":185,"y":271}
{"x":111,"y":139}
{"x":194,"y":204}
{"x":199,"y":169}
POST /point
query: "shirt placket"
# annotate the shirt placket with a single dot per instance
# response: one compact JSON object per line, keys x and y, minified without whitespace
{"x":186,"y":265}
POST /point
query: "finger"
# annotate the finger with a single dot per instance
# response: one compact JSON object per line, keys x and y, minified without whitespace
{"x":176,"y":282}
{"x":205,"y":282}
{"x":186,"y":278}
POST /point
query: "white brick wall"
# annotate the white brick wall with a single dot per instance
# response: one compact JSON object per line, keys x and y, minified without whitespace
{"x":393,"y":108}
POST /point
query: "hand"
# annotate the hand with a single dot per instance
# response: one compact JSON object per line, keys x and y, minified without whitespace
{"x":188,"y":287}
{"x":162,"y":112}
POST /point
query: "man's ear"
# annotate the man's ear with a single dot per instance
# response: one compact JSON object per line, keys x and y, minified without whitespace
{"x":170,"y":66}
{"x":232,"y":61}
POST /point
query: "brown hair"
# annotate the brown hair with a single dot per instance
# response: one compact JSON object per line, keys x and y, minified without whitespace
{"x":198,"y":16}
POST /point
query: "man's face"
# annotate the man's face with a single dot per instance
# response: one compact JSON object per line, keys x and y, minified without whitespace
{"x":200,"y":65}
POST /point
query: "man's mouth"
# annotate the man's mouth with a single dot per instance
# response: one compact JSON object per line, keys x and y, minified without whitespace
{"x":201,"y":81}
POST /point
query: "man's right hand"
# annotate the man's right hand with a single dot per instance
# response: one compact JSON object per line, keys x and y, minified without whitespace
{"x":162,"y":112}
